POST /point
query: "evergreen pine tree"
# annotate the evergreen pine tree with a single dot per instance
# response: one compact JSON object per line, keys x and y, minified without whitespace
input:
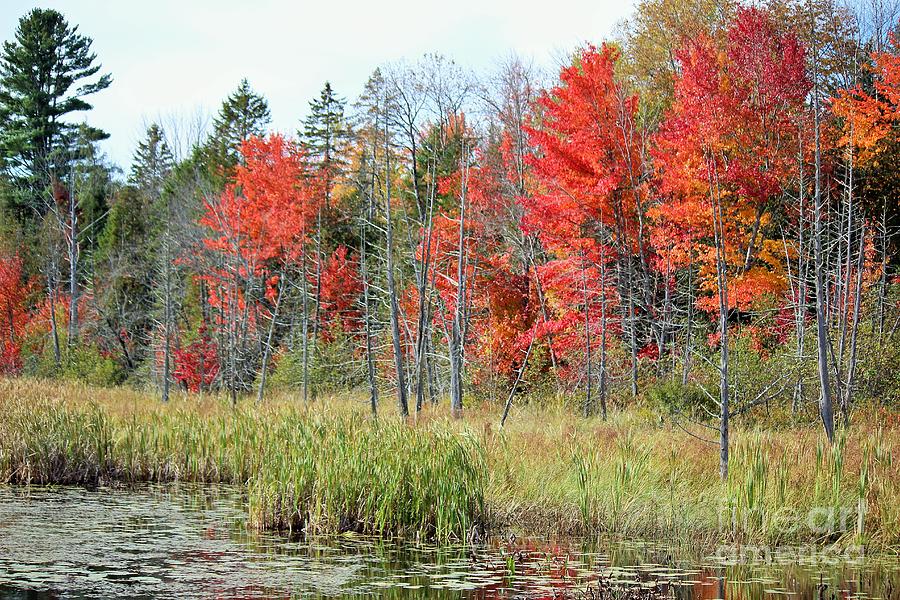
{"x":45,"y":74}
{"x":153,"y":161}
{"x":244,"y":113}
{"x":325,"y":133}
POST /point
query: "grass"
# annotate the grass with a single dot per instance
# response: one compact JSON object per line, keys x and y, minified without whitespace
{"x":303,"y":469}
{"x":328,"y":466}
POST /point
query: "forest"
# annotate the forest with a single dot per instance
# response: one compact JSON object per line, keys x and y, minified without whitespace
{"x":691,"y":225}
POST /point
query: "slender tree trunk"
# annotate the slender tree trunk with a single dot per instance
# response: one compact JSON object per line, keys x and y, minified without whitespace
{"x":167,"y":320}
{"x":666,"y":320}
{"x":826,"y":411}
{"x":882,"y":283}
{"x":801,"y":300}
{"x":402,"y":402}
{"x":722,"y":281}
{"x":318,"y":285}
{"x":305,"y":331}
{"x":854,"y":330}
{"x":603,"y":324}
{"x":236,"y":322}
{"x":686,"y":368}
{"x":457,"y":335}
{"x":588,"y":400}
{"x":74,"y":255}
{"x":54,"y":328}
{"x":422,"y":325}
{"x":364,"y":272}
{"x":432,"y":374}
{"x":632,"y":333}
{"x":267,"y":350}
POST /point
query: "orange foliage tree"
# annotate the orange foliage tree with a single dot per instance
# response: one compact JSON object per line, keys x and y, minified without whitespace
{"x":588,"y":208}
{"x":870,"y":115}
{"x":13,"y":313}
{"x":726,"y":153}
{"x":260,"y":226}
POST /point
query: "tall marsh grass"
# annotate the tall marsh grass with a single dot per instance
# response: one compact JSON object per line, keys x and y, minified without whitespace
{"x":303,"y":470}
{"x":328,"y":467}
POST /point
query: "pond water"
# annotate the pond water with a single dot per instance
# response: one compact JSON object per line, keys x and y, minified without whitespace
{"x":192,"y":542}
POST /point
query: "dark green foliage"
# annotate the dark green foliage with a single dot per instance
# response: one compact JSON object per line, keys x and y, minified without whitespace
{"x":130,"y":248}
{"x":45,"y":74}
{"x":444,"y":146}
{"x":125,"y":295}
{"x":325,"y":133}
{"x":243,"y":114}
{"x":91,"y":180}
{"x":674,"y":398}
{"x":152,"y":164}
{"x":325,"y":138}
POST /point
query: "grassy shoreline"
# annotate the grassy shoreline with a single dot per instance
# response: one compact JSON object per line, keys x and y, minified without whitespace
{"x":328,"y":466}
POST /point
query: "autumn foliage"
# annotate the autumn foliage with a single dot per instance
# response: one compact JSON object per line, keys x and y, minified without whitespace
{"x":13,"y":304}
{"x":722,"y":177}
{"x":196,"y":363}
{"x":588,"y":197}
{"x":732,"y":138}
{"x":871,"y":115}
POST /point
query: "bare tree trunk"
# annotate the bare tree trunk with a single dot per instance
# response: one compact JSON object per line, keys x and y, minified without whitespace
{"x":603,"y":324}
{"x":167,"y":318}
{"x":74,"y":251}
{"x":364,"y":273}
{"x":267,"y":350}
{"x":626,"y":127}
{"x":665,"y":322}
{"x":632,"y":333}
{"x":588,"y":400}
{"x":882,"y":283}
{"x":305,"y":331}
{"x":457,"y":336}
{"x":722,"y":282}
{"x":422,"y":326}
{"x":432,"y":374}
{"x":402,"y":402}
{"x":686,"y":368}
{"x":54,"y":328}
{"x":825,"y":401}
{"x":318,"y":287}
{"x":800,"y":301}
{"x":854,"y":330}
{"x":233,"y":340}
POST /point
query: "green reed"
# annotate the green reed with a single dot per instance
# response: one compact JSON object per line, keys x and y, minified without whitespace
{"x":317,"y":473}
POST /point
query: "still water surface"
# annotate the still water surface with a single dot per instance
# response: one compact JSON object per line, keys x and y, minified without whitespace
{"x":192,"y":542}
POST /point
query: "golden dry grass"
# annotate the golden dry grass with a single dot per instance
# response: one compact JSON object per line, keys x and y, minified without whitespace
{"x":547,"y":471}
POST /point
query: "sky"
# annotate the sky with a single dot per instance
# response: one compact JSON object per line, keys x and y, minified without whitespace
{"x":172,"y":60}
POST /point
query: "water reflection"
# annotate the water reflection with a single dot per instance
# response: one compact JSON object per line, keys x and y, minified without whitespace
{"x":192,"y":542}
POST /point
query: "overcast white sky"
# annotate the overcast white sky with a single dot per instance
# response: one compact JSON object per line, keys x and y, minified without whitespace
{"x":175,"y":57}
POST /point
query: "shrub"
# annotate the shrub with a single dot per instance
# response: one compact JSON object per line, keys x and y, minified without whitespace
{"x":331,"y":366}
{"x":87,"y":364}
{"x":673,"y":397}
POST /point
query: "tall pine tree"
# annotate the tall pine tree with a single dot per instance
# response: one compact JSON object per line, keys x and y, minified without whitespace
{"x":153,"y":161}
{"x":325,"y":133}
{"x":243,"y":114}
{"x":45,"y":74}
